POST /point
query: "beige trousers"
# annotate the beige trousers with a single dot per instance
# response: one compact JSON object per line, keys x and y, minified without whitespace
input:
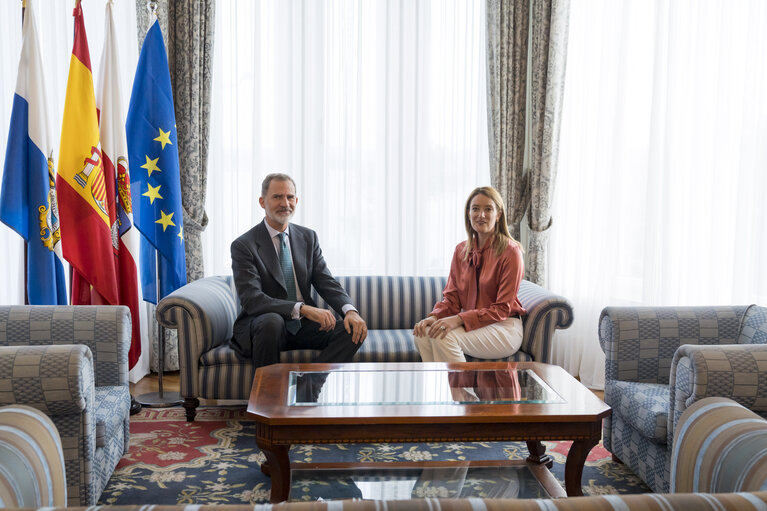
{"x":498,"y":340}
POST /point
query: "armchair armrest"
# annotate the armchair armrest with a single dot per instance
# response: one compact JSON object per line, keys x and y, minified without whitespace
{"x":203,"y":312}
{"x":639,"y":342}
{"x":546,"y":311}
{"x":57,"y":380}
{"x":719,"y":448}
{"x":735,"y":371}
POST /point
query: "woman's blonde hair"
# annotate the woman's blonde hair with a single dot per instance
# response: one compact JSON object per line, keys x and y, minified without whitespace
{"x":501,"y":235}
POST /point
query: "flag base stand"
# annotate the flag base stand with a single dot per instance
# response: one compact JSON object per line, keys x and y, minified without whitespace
{"x":160,"y":399}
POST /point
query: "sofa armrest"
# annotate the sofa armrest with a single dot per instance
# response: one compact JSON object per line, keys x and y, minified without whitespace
{"x":546,"y":311}
{"x":719,"y":447}
{"x":735,"y":371}
{"x":203,"y":312}
{"x":639,"y":342}
{"x":57,"y":380}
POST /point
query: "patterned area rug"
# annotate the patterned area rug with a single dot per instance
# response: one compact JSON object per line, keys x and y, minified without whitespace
{"x":215,"y":460}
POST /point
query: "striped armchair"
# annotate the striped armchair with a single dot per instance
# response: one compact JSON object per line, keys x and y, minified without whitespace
{"x":204,"y":311}
{"x":661,"y":360}
{"x":31,"y":459}
{"x":719,"y":447}
{"x":71,"y":363}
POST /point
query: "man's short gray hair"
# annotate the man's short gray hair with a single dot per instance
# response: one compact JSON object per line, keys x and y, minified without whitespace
{"x":275,"y":176}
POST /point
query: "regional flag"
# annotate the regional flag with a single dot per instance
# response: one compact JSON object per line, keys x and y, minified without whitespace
{"x":155,"y":177}
{"x":28,"y":194}
{"x":86,"y":227}
{"x":114,"y":157}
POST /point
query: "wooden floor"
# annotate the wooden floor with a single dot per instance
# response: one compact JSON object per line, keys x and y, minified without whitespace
{"x":170,"y":383}
{"x":150,"y":383}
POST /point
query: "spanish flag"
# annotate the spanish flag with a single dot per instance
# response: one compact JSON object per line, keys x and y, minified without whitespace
{"x":88,"y":240}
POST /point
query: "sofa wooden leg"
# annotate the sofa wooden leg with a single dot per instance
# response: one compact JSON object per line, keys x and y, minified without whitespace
{"x":190,"y":405}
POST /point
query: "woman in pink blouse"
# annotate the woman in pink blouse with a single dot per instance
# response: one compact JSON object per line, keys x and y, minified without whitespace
{"x":480,"y":313}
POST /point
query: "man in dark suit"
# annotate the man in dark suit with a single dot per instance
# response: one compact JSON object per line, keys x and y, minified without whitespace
{"x":275,"y":265}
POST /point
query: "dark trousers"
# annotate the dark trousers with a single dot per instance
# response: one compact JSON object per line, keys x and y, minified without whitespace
{"x":263,"y":337}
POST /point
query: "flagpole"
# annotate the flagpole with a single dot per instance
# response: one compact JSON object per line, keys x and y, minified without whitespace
{"x":26,"y":243}
{"x":160,"y":399}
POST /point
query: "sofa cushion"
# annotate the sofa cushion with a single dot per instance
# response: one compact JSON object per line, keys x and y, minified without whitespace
{"x":642,"y":405}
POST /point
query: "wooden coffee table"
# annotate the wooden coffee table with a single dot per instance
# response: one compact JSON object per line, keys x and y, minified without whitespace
{"x":421,"y":407}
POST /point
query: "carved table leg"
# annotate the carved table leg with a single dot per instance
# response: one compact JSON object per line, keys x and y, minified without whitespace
{"x":538,"y":454}
{"x":277,"y":466}
{"x":576,"y":458}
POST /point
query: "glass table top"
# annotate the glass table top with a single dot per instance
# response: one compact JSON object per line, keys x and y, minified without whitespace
{"x":414,"y":387}
{"x":398,"y":483}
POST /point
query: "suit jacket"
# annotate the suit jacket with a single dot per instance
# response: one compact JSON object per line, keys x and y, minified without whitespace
{"x":259,"y":281}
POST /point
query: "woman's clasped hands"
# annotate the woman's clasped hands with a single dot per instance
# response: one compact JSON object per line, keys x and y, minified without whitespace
{"x":436,"y":328}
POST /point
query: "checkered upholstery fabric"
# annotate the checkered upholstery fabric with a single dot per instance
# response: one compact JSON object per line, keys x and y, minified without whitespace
{"x":661,"y":360}
{"x":754,"y":329}
{"x":644,"y":406}
{"x":204,"y":312}
{"x":719,"y":446}
{"x":72,"y":364}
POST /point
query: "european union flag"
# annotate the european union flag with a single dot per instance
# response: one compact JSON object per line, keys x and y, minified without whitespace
{"x":155,"y":178}
{"x":28,"y":197}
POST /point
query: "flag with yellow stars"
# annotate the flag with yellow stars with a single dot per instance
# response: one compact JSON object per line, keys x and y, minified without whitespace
{"x":155,"y":178}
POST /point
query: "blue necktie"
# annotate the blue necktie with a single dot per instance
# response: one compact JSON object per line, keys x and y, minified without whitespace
{"x":293,"y":325}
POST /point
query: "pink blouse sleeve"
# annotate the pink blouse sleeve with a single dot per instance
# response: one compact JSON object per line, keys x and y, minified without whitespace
{"x":451,"y":302}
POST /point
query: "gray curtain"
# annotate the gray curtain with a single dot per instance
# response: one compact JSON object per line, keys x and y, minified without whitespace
{"x":188,"y":31}
{"x":507,"y":37}
{"x":526,"y":190}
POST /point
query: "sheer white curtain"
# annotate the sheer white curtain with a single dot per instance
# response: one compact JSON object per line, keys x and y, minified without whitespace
{"x":660,"y":196}
{"x":56,"y":31}
{"x":377,"y":109}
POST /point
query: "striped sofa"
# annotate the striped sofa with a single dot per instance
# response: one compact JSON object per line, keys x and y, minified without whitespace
{"x":719,"y":446}
{"x":71,"y":363}
{"x":204,"y":311}
{"x":31,"y":459}
{"x":756,"y":501}
{"x":661,"y":360}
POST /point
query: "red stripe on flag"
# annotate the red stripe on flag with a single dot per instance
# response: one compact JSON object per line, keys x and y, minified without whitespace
{"x":126,"y":267}
{"x":80,"y":49}
{"x":126,"y":273}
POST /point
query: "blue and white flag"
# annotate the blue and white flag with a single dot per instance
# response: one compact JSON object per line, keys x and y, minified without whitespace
{"x":155,"y":177}
{"x":28,"y":195}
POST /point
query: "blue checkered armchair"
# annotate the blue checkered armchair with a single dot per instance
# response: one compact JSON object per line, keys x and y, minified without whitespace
{"x":204,"y":311}
{"x":71,"y":363}
{"x":661,"y":360}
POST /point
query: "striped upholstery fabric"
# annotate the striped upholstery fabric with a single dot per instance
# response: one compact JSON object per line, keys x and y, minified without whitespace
{"x":72,"y":364}
{"x":719,"y":446}
{"x":661,"y":360}
{"x":204,"y":312}
{"x":31,"y":459}
{"x":755,"y":501}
